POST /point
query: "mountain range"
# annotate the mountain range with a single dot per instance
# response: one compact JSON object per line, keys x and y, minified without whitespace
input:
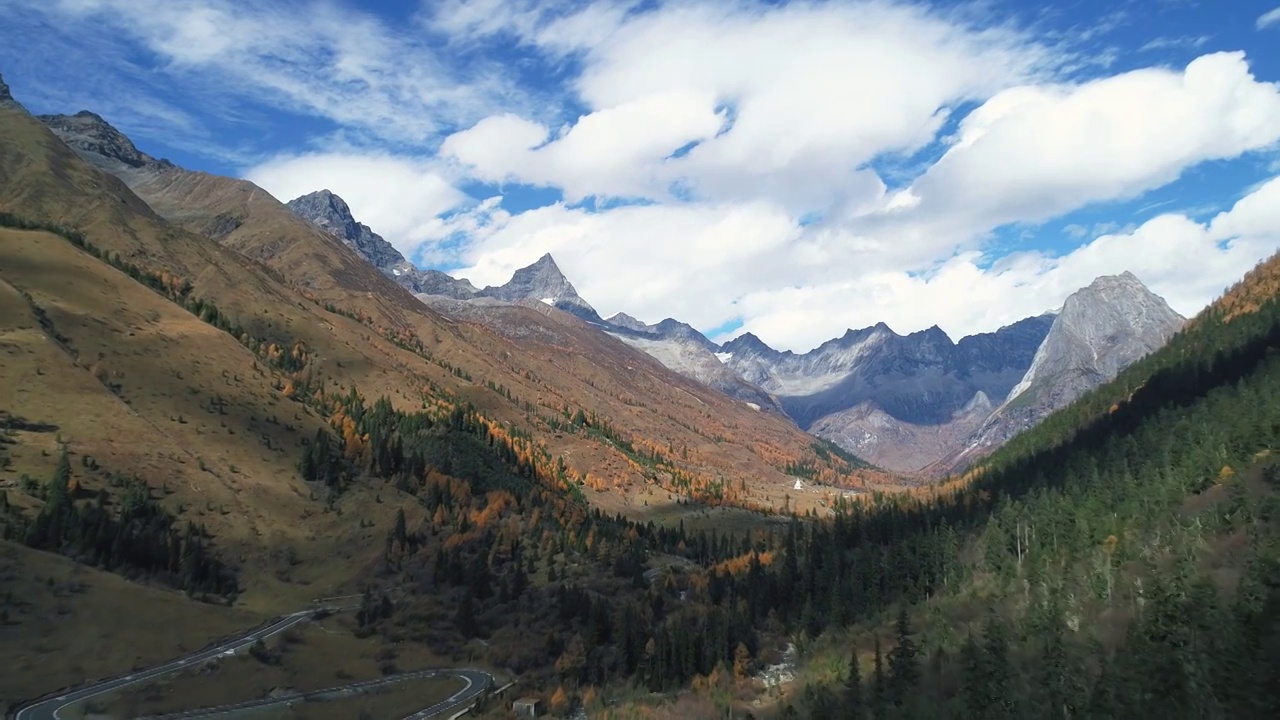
{"x":529,"y":364}
{"x":918,"y":403}
{"x":217,"y":409}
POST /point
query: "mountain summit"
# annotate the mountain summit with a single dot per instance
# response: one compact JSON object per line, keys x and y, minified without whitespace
{"x":1101,"y":329}
{"x":540,"y":281}
{"x":543,"y":281}
{"x":96,"y":140}
{"x":6,"y":98}
{"x":331,"y":213}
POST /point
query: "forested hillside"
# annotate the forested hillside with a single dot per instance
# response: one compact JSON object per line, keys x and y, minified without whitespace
{"x":1120,"y":560}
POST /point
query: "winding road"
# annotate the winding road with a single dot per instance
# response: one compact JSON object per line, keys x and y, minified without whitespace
{"x":50,"y":707}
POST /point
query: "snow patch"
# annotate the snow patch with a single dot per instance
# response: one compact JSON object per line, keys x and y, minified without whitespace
{"x":397,"y":273}
{"x":549,"y":301}
{"x":724,"y":357}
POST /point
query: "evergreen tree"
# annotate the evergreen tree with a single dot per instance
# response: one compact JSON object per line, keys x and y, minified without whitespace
{"x":904,"y":665}
{"x":852,"y":707}
{"x":879,"y":691}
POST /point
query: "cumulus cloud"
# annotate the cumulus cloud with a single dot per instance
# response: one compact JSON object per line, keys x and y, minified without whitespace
{"x":616,"y":152}
{"x":1031,"y":153}
{"x":784,"y":104}
{"x":1186,"y":262}
{"x":686,"y":260}
{"x":804,"y":167}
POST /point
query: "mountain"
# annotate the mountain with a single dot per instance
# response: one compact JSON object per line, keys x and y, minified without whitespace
{"x":681,"y":348}
{"x":187,"y":340}
{"x":331,"y":213}
{"x":676,"y":345}
{"x":900,"y":402}
{"x":543,"y":281}
{"x":6,"y":98}
{"x":627,"y":322}
{"x":95,"y":140}
{"x":914,"y":403}
{"x":1101,"y":329}
{"x":1126,"y":540}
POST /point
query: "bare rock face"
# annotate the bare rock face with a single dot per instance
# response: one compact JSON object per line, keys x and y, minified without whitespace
{"x":1101,"y":330}
{"x":899,"y":402}
{"x":627,"y":322}
{"x":101,"y":144}
{"x":544,"y":282}
{"x":332,"y":214}
{"x":681,"y":348}
{"x":869,"y":432}
{"x":6,"y":98}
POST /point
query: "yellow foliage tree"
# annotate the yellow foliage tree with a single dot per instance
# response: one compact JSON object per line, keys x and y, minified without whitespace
{"x":559,"y":700}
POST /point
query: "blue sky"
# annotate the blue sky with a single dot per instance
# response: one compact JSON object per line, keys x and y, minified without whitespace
{"x":792,"y":169}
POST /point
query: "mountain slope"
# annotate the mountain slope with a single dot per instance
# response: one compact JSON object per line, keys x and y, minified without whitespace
{"x":331,"y":213}
{"x":201,"y":380}
{"x":901,"y":402}
{"x":1120,"y":559}
{"x":683,"y":349}
{"x":676,"y":345}
{"x":622,"y":386}
{"x":1101,"y":329}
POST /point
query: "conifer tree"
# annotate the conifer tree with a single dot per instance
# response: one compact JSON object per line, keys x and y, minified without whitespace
{"x":904,"y":663}
{"x":852,"y":706}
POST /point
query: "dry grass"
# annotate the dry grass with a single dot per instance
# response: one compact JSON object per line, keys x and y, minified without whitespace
{"x":67,"y":623}
{"x":141,"y":387}
{"x":396,"y":701}
{"x":309,"y":657}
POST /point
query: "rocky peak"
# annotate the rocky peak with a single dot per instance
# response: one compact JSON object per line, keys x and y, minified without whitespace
{"x":332,"y":214}
{"x":624,"y":320}
{"x":6,"y":98}
{"x":748,"y":344}
{"x":1106,"y":326}
{"x":1100,"y":330}
{"x":543,"y":281}
{"x":329,"y":212}
{"x":542,"y":273}
{"x":92,"y":136}
{"x":676,"y":330}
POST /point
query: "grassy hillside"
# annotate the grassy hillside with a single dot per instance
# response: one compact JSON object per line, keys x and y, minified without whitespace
{"x":287,"y":282}
{"x":160,"y":393}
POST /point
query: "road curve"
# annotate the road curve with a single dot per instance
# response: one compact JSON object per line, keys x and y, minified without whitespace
{"x":476,"y":682}
{"x":51,"y":706}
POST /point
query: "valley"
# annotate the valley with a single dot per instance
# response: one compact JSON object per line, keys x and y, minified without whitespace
{"x":256,"y":460}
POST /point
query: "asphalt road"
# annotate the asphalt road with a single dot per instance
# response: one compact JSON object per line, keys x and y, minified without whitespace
{"x":49,"y":708}
{"x":476,"y":682}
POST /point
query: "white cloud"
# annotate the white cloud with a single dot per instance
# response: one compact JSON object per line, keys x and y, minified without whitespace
{"x":689,"y":261}
{"x":1187,"y":263}
{"x":1035,"y":152}
{"x":785,"y":103}
{"x":616,"y":152}
{"x":399,"y":198}
{"x":317,"y":58}
{"x":1269,"y":19}
{"x":781,"y":112}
